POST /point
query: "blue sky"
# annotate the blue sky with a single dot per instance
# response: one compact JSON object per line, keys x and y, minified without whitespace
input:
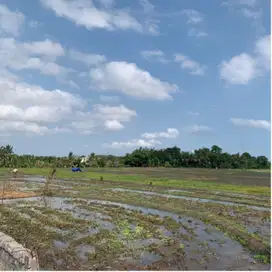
{"x":109,"y":76}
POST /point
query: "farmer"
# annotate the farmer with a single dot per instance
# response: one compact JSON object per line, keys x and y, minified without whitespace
{"x":14,"y":172}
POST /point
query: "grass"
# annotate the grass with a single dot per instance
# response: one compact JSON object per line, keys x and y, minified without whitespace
{"x":260,"y":170}
{"x":146,"y":179}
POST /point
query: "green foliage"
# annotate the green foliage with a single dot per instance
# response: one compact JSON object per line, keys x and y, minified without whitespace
{"x":263,"y":258}
{"x":200,"y":158}
{"x":70,"y":155}
{"x":142,"y":157}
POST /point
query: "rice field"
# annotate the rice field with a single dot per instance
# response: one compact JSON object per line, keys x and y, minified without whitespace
{"x":141,"y":219}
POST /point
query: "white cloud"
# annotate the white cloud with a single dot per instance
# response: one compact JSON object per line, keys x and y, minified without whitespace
{"x":70,"y":83}
{"x":152,"y":26}
{"x":147,"y":6}
{"x":29,"y":128}
{"x":120,"y":113}
{"x":33,"y":113}
{"x":44,"y":48}
{"x":88,"y":59}
{"x":104,"y":116}
{"x":251,"y":13}
{"x":134,"y":143}
{"x":46,"y":68}
{"x":196,"y":129}
{"x":193,"y":113}
{"x":250,"y":3}
{"x":239,"y":70}
{"x":84,"y":13}
{"x":109,"y":99}
{"x":32,"y":56}
{"x":248,"y":9}
{"x":244,"y":67}
{"x":23,"y":102}
{"x":263,"y":124}
{"x":127,"y":78}
{"x":113,"y":125}
{"x":170,"y":133}
{"x":157,"y":55}
{"x":193,"y":16}
{"x":10,"y":22}
{"x":21,"y":94}
{"x":34,"y":24}
{"x":107,"y":3}
{"x":263,"y":51}
{"x":26,"y":108}
{"x":194,"y":67}
{"x":193,"y":32}
{"x":19,"y":126}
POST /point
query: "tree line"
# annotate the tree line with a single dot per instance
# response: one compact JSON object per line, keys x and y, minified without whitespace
{"x":213,"y":157}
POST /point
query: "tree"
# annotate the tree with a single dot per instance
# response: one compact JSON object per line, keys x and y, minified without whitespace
{"x":245,"y":160}
{"x":262,"y":162}
{"x":101,"y":162}
{"x":203,"y":156}
{"x":216,"y":149}
{"x":70,"y":155}
{"x":142,"y":157}
{"x":6,"y":150}
{"x":225,"y":160}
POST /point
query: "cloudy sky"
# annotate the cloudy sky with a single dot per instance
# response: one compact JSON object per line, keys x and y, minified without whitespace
{"x":108,"y":76}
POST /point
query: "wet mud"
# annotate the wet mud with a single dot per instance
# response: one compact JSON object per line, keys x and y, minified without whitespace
{"x":178,"y":242}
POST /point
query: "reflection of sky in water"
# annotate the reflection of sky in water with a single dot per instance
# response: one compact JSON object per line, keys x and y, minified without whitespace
{"x":202,"y":200}
{"x":212,"y":247}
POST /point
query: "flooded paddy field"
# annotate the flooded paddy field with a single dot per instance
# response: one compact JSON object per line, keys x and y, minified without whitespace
{"x":89,"y":223}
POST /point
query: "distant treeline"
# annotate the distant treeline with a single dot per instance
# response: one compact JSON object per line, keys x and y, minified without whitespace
{"x":212,"y":157}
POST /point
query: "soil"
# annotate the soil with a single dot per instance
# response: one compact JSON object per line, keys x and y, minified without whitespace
{"x":18,"y":194}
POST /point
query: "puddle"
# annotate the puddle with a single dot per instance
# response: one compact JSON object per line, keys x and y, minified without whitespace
{"x":83,"y":250}
{"x":164,"y":231}
{"x":201,"y":200}
{"x":105,"y":224}
{"x":210,"y":250}
{"x":61,"y":186}
{"x":26,"y":189}
{"x":255,"y":197}
{"x":62,"y":183}
{"x":60,"y":244}
{"x":212,"y":239}
{"x":263,"y":229}
{"x":91,"y":231}
{"x":147,"y":258}
{"x":57,"y":230}
{"x":38,"y":179}
{"x":255,"y":225}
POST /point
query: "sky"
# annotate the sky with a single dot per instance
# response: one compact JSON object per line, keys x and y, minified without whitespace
{"x":109,"y":76}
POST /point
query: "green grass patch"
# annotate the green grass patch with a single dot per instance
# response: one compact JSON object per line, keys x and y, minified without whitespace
{"x":145,"y":179}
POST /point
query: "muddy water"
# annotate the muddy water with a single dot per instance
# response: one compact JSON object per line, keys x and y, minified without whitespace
{"x":31,"y":183}
{"x":207,"y":249}
{"x":38,"y":179}
{"x":254,"y":224}
{"x":202,"y":200}
{"x":83,"y":250}
{"x":222,"y":193}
